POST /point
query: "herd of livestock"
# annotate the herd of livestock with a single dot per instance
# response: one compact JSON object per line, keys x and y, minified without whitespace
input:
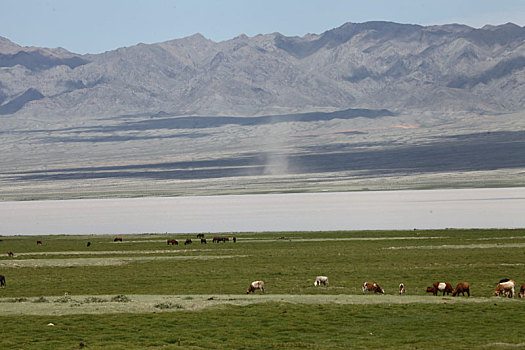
{"x":506,"y":287}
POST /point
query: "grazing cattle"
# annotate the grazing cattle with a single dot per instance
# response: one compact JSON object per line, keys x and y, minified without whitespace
{"x":373,"y":287}
{"x":117,"y":239}
{"x":203,"y":241}
{"x":505,"y":288}
{"x":462,"y":288}
{"x":172,"y":242}
{"x":521,"y":294}
{"x":234,"y":239}
{"x":39,"y":242}
{"x":220,"y":239}
{"x":441,"y":287}
{"x":2,"y":281}
{"x":188,"y":241}
{"x":11,"y":254}
{"x":254,"y":286}
{"x":321,"y":280}
{"x":88,"y":244}
{"x":200,"y":235}
{"x":401,"y":289}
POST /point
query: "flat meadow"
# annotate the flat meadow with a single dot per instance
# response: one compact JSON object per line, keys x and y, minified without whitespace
{"x":143,"y":294}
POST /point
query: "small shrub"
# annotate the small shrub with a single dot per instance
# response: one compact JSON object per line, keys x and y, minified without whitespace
{"x":94,"y":300}
{"x":121,"y":298}
{"x":65,"y":299}
{"x":41,"y":300}
{"x":168,"y":305}
{"x":16,"y":300}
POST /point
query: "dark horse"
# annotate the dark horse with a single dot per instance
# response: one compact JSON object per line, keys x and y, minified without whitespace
{"x":2,"y":281}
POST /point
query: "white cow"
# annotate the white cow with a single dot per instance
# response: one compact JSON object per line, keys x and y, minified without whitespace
{"x":505,"y":288}
{"x":254,"y":286}
{"x":321,"y":279}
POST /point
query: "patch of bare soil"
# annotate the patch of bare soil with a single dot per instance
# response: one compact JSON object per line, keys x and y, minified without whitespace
{"x":101,"y":261}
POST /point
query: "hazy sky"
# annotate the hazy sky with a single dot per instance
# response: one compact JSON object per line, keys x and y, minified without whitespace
{"x":93,"y":26}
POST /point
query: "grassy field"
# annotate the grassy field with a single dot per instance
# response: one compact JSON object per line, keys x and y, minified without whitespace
{"x":141,"y":293}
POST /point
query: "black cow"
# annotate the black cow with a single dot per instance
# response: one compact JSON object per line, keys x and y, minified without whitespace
{"x":2,"y":281}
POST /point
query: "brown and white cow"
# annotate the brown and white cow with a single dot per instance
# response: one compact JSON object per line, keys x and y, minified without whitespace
{"x":402,"y":289}
{"x":505,"y":288}
{"x":373,"y":287}
{"x":254,"y":286}
{"x":463,"y":287}
{"x":321,"y":280}
{"x":444,"y":287}
{"x":521,"y":294}
{"x":11,"y":254}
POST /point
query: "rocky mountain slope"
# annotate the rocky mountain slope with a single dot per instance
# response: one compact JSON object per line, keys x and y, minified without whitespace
{"x":373,"y":65}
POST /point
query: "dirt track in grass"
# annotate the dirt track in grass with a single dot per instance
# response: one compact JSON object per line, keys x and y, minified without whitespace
{"x":102,"y":304}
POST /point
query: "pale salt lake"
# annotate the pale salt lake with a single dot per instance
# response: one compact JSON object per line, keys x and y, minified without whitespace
{"x":392,"y":210}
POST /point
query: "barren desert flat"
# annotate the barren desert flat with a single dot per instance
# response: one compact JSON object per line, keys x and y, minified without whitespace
{"x":422,"y":209}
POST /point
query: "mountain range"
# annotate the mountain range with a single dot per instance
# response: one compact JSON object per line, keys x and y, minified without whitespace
{"x":372,"y":65}
{"x":374,"y":105}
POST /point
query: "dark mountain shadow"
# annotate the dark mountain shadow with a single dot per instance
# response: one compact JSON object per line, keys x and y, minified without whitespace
{"x":474,"y":152}
{"x":301,"y":47}
{"x":500,"y":70}
{"x":203,"y":122}
{"x":18,"y":102}
{"x":120,"y":138}
{"x":36,"y":61}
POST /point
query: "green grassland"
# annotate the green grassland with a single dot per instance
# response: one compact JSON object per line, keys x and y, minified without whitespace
{"x":141,"y":293}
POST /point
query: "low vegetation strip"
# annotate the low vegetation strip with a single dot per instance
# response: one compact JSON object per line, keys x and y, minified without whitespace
{"x":464,"y":246}
{"x":104,"y":261}
{"x":113,"y":252}
{"x":110,"y":304}
{"x":300,"y":239}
